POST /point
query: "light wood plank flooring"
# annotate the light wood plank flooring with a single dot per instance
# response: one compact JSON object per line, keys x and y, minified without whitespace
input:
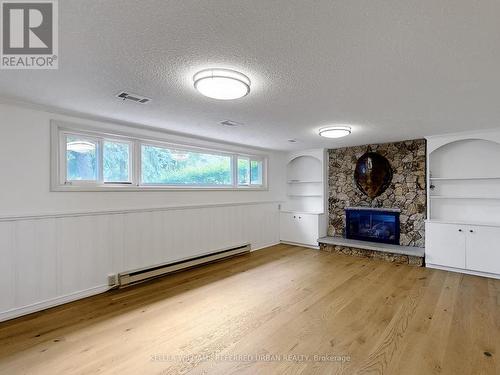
{"x":270,"y":312}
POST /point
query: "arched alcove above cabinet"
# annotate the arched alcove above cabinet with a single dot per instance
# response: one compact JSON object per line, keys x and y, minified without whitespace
{"x":467,"y":159}
{"x":304,"y":169}
{"x":464,"y":181}
{"x":303,"y":216}
{"x":305,"y":182}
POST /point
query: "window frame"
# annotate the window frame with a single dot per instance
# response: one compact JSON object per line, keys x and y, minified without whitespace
{"x":63,"y":139}
{"x":60,"y":131}
{"x":63,"y":135}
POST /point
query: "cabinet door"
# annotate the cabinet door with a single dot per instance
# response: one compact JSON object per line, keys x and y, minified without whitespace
{"x":288,"y":227}
{"x":299,"y":228}
{"x":445,"y":244}
{"x":483,"y":249}
{"x":307,"y":229}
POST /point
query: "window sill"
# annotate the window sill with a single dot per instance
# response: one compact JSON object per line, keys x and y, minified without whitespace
{"x":129,"y":188}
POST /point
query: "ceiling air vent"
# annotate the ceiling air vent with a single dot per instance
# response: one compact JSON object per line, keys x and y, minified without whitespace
{"x":230,"y":123}
{"x":133,"y":97}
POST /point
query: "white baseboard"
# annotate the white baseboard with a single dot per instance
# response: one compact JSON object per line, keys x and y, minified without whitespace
{"x":460,"y":270}
{"x":25,"y":310}
{"x":261,"y":247}
{"x":300,"y":244}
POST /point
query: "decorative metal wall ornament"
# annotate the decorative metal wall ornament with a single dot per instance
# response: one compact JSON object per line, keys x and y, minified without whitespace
{"x":373,"y":174}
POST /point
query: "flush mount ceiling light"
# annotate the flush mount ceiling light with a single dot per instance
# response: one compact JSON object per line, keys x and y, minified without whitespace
{"x":222,"y":84}
{"x":335,"y":131}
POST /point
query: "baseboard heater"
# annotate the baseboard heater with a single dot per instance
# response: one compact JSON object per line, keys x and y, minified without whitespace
{"x":136,"y":276}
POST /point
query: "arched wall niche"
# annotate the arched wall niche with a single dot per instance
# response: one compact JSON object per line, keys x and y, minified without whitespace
{"x":464,"y":181}
{"x":305,"y":168}
{"x":436,"y":141}
{"x":466,"y":158}
{"x":303,"y":217}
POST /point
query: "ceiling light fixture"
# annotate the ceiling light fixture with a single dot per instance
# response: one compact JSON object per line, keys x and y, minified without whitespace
{"x":222,"y":84}
{"x":335,"y":131}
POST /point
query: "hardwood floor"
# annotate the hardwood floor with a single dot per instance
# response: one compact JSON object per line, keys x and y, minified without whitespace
{"x":289,"y":303}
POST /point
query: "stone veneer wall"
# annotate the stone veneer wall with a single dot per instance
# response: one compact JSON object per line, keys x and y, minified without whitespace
{"x":406,"y":192}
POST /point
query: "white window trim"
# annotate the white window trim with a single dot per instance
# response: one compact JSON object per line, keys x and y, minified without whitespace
{"x":63,"y":139}
{"x":59,"y":131}
{"x":246,"y":158}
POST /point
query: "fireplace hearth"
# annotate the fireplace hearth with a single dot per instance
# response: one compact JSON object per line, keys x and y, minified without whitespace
{"x":373,"y":224}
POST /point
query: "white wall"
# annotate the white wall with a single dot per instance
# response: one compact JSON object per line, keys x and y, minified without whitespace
{"x":59,"y":246}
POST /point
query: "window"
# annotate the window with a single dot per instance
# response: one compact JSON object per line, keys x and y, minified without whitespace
{"x":87,"y":159}
{"x":179,"y":167}
{"x":116,"y":162}
{"x":256,"y":172}
{"x":243,"y":171}
{"x":250,"y":172}
{"x":81,"y":159}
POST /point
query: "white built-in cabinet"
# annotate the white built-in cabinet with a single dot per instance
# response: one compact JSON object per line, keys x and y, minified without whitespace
{"x":463,"y":225}
{"x":303,"y":217}
{"x":301,"y":228}
{"x":463,"y":247}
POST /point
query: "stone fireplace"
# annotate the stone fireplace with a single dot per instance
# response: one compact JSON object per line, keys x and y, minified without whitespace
{"x":407,"y":191}
{"x":389,"y":226}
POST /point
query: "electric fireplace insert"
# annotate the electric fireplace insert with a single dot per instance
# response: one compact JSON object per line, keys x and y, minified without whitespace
{"x":373,"y":224}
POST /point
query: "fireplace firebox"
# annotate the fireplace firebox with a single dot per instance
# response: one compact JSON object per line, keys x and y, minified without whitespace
{"x":373,"y":224}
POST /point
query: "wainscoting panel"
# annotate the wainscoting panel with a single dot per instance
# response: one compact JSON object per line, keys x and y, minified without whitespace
{"x":52,"y":259}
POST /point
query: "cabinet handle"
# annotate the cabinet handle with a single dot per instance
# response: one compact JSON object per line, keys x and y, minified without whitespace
{"x":295,"y":217}
{"x":300,"y":217}
{"x":471,"y":231}
{"x":460,"y":230}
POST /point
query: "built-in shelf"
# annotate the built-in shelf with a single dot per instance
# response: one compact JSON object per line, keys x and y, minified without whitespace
{"x":302,"y":216}
{"x":463,"y":178}
{"x":304,"y":182}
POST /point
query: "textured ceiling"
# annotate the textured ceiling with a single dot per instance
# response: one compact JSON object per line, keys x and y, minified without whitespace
{"x":394,"y":69}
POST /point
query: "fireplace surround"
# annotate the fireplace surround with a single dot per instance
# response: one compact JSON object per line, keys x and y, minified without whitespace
{"x":406,"y":192}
